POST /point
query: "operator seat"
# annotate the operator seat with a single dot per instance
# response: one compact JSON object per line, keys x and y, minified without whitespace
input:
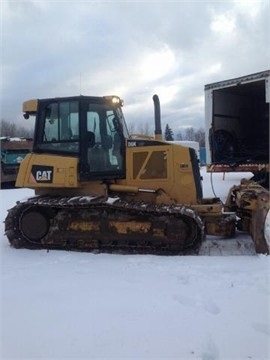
{"x":97,"y":154}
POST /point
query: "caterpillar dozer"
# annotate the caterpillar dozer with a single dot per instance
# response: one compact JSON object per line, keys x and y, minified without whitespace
{"x":97,"y":188}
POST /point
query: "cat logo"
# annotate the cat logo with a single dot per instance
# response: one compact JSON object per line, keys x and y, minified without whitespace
{"x":42,"y":174}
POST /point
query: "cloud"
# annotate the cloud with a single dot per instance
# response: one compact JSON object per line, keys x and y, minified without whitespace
{"x":130,"y":48}
{"x":224,"y":24}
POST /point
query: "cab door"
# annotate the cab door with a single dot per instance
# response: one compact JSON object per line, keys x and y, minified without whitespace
{"x":103,"y":142}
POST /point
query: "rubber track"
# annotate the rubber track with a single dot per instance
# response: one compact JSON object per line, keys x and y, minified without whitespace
{"x":62,"y":210}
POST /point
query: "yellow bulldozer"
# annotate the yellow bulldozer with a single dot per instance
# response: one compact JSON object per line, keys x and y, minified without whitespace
{"x":97,"y":188}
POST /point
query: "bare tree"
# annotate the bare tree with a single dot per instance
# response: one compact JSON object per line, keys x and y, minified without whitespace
{"x":10,"y":129}
{"x":179,"y":136}
{"x":200,"y":137}
{"x":144,"y":129}
{"x":190,"y":134}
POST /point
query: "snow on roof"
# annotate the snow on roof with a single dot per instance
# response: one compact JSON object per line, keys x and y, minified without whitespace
{"x":243,"y":79}
{"x":8,"y":138}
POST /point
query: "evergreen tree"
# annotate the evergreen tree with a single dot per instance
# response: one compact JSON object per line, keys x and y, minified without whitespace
{"x":168,"y":133}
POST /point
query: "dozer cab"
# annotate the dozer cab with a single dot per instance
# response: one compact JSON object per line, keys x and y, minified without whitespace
{"x":100,"y":189}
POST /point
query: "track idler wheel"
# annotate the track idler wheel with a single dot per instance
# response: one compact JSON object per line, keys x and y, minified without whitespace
{"x":34,"y":224}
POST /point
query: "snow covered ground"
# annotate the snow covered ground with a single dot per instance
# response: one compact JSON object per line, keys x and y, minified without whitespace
{"x":69,"y":305}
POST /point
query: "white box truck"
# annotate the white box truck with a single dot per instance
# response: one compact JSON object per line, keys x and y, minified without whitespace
{"x":237,"y":124}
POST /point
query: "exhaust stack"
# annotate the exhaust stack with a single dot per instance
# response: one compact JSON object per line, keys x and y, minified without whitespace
{"x":158,"y":131}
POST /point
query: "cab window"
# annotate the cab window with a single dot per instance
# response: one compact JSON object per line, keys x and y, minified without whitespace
{"x":61,"y":127}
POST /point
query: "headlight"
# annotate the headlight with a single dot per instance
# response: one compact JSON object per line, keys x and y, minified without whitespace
{"x":115,"y":100}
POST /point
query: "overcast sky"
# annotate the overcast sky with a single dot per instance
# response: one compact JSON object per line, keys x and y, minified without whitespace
{"x":133,"y":49}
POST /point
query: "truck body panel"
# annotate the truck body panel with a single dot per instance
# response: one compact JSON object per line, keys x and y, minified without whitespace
{"x":13,"y":151}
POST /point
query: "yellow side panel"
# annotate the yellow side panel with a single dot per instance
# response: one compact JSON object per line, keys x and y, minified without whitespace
{"x":167,"y":167}
{"x":184,"y":189}
{"x":39,"y":170}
